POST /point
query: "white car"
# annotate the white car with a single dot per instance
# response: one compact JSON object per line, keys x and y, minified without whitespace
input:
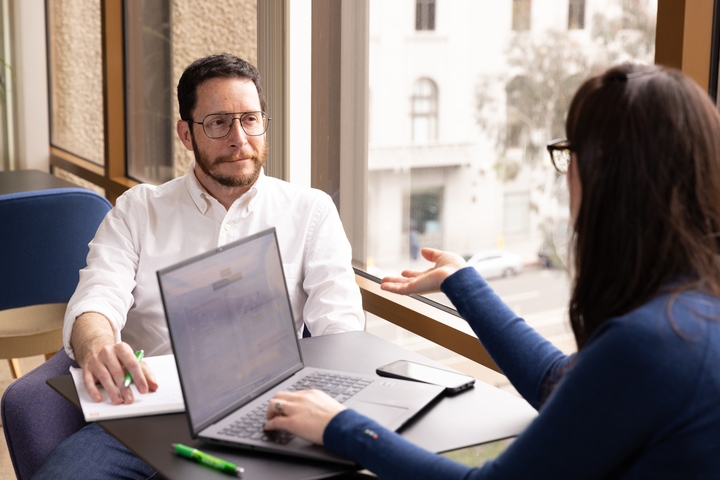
{"x":496,"y":263}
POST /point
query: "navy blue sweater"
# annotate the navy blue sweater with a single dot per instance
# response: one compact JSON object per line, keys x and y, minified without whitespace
{"x":641,"y":400}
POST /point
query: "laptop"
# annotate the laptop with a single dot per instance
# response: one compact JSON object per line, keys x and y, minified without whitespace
{"x":235,"y":343}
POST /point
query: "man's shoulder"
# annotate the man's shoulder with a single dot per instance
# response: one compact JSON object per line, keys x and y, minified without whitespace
{"x":296,"y":192}
{"x":145,"y":191}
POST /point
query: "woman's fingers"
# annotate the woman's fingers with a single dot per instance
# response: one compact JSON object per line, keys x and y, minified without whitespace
{"x":305,"y":413}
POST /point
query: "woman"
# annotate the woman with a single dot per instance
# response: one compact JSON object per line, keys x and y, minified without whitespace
{"x":641,"y":398}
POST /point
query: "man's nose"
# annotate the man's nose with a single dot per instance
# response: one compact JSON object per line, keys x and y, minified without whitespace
{"x":236,"y":132}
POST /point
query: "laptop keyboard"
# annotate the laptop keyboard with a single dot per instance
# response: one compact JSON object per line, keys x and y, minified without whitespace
{"x":341,"y":387}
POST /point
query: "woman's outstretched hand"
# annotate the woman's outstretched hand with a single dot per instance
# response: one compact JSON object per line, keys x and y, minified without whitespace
{"x":446,"y":263}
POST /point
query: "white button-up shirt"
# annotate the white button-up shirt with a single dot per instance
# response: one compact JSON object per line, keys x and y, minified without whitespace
{"x":152,"y":227}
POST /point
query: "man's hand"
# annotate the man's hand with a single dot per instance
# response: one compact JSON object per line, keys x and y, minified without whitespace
{"x":305,"y":413}
{"x":105,"y":362}
{"x":446,"y":263}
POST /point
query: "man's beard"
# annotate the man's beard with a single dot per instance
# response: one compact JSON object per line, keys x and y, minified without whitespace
{"x":211,"y":167}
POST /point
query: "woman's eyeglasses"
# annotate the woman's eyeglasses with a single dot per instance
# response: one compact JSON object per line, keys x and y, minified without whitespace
{"x":560,"y":154}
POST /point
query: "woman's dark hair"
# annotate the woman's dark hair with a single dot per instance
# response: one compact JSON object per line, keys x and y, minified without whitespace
{"x":647,"y":143}
{"x":222,"y":65}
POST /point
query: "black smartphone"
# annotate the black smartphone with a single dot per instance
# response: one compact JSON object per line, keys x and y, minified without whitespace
{"x":452,"y":381}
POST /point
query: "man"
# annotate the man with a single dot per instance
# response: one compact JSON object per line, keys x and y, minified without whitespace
{"x":117,"y":309}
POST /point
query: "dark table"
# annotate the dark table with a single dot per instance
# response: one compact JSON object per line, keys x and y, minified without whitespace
{"x":479,"y":415}
{"x":28,"y":180}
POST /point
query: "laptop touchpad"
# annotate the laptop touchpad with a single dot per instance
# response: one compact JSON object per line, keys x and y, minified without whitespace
{"x":381,"y":413}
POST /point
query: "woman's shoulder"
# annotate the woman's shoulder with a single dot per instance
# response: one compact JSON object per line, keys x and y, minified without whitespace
{"x":683,"y":328}
{"x":678,"y":313}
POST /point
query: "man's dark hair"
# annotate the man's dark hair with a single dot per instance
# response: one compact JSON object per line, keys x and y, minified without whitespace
{"x":647,"y":144}
{"x":223,"y":65}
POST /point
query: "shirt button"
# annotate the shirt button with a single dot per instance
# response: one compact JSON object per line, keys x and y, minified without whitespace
{"x":227,"y":227}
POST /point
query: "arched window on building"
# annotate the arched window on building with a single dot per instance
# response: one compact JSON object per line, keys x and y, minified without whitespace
{"x":424,"y":111}
{"x":424,"y":14}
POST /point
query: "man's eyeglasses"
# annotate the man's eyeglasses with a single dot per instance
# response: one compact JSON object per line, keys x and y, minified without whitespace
{"x":218,"y":125}
{"x":560,"y":154}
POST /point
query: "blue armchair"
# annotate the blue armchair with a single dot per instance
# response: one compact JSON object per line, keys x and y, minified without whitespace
{"x":43,"y":246}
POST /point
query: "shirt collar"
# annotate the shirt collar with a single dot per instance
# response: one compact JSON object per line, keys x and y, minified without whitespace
{"x":203,"y":199}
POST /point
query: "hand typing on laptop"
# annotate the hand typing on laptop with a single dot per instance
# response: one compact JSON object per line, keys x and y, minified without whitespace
{"x":105,"y":362}
{"x":305,"y":413}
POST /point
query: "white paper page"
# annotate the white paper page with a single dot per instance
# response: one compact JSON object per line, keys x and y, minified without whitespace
{"x":167,"y":399}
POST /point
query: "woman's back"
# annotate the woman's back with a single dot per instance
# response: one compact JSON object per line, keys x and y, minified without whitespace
{"x":652,"y":387}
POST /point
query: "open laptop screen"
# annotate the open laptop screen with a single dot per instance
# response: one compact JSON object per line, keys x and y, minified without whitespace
{"x":231,"y":325}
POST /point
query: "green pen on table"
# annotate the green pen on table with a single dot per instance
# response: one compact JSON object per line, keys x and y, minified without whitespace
{"x":207,"y":460}
{"x":128,"y":378}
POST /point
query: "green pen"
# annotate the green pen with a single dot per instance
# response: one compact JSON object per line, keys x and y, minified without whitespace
{"x":128,"y":378}
{"x":207,"y":460}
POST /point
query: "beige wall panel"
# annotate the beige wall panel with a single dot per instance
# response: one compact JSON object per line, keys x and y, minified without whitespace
{"x":77,"y":88}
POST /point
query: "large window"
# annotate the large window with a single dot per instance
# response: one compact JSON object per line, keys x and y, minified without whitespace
{"x":483,"y":184}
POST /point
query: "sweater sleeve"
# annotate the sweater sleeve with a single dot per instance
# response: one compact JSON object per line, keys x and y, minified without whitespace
{"x":386,"y":453}
{"x":531,"y":363}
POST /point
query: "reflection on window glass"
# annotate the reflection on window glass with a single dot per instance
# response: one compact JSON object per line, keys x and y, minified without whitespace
{"x":518,"y":124}
{"x":76,"y":82}
{"x":151,"y":99}
{"x":161,"y":39}
{"x":483,"y":183}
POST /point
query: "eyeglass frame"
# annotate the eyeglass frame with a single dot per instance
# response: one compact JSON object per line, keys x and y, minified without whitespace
{"x":559,"y":145}
{"x":239,"y":118}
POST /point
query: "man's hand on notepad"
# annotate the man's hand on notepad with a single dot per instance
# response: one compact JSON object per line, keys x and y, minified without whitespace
{"x":105,"y":362}
{"x":108,"y":367}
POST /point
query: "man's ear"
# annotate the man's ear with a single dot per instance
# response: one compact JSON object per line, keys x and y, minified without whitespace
{"x":183,"y":131}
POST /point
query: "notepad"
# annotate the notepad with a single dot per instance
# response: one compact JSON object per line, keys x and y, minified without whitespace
{"x":167,"y":399}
